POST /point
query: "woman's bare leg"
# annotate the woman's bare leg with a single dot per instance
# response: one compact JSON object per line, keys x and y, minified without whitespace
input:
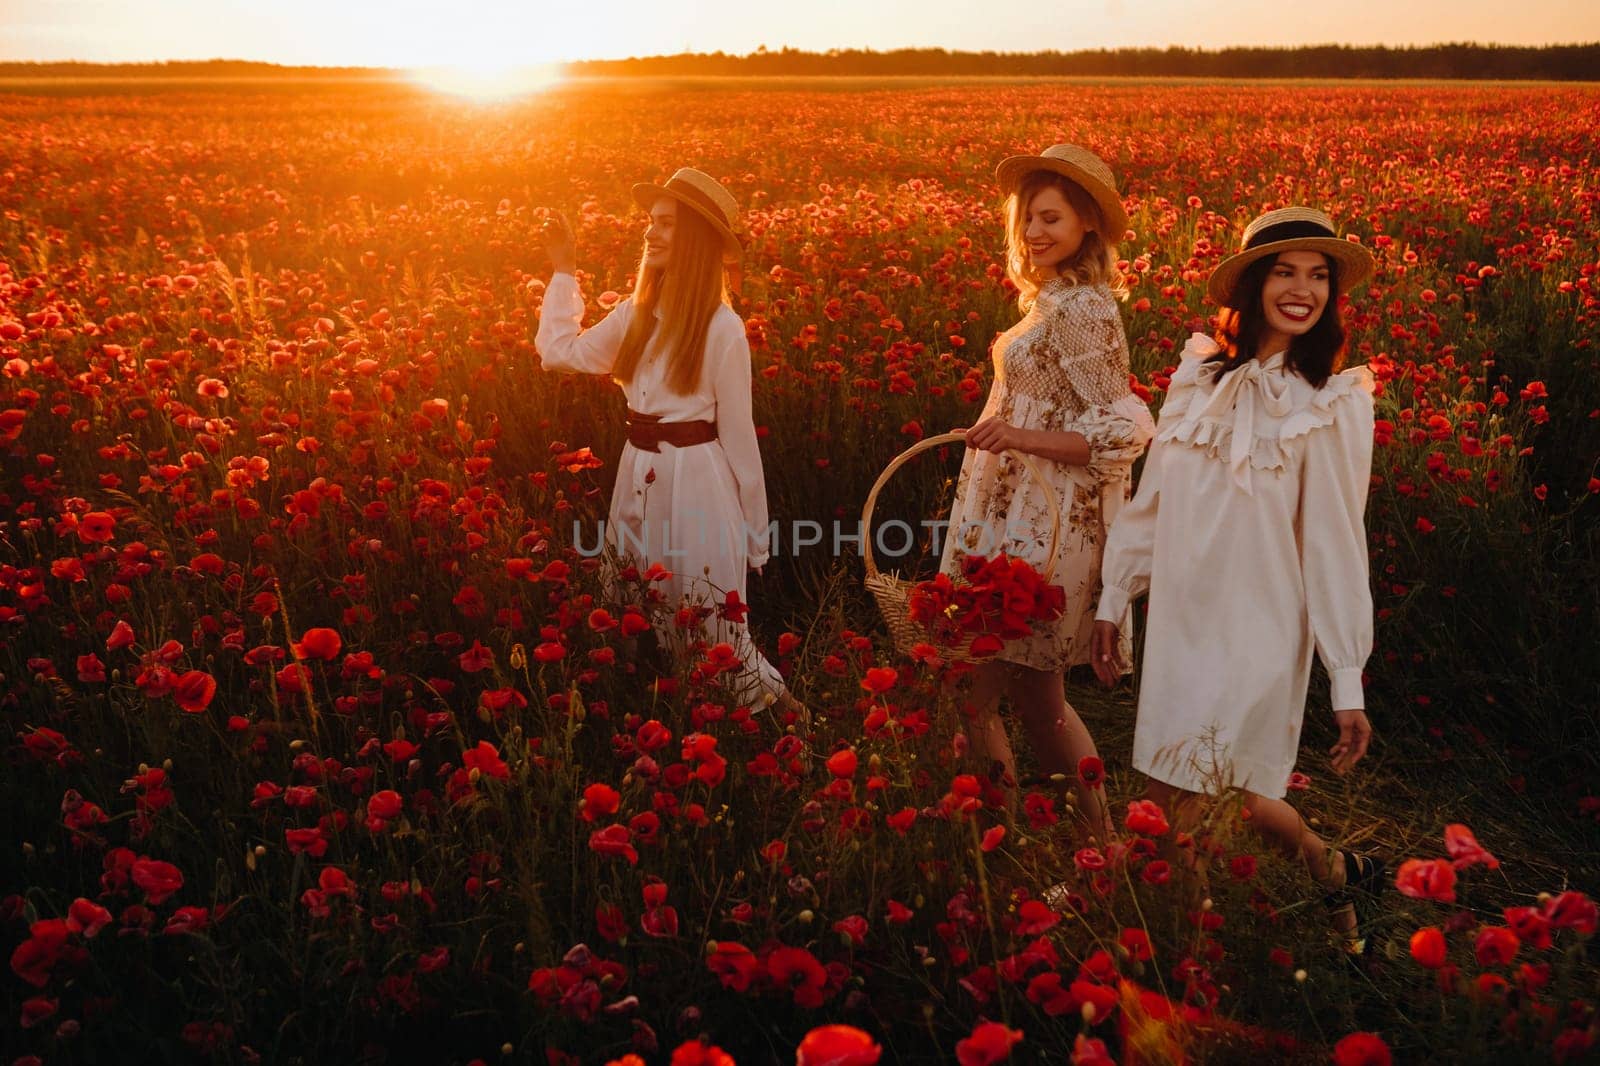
{"x":1060,"y":739}
{"x":985,"y":729}
{"x":1281,"y":826}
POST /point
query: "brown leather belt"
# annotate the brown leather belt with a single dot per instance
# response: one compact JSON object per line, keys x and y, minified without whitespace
{"x":649,"y":432}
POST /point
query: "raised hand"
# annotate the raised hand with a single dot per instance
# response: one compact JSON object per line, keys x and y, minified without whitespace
{"x":560,"y":243}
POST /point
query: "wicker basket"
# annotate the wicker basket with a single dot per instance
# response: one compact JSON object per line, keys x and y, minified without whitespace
{"x":893,"y":592}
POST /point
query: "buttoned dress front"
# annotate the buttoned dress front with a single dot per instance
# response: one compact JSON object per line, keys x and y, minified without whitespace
{"x":1062,"y":368}
{"x":700,"y":510}
{"x":1247,"y":530}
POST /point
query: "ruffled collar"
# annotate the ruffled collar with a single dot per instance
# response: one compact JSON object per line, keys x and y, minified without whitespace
{"x":1246,"y":417}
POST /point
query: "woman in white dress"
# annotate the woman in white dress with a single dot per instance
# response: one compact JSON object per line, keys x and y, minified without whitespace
{"x":1247,"y":531}
{"x":690,"y":493}
{"x":1061,"y":395}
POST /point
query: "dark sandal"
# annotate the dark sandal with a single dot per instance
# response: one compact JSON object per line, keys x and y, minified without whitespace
{"x":1363,"y":882}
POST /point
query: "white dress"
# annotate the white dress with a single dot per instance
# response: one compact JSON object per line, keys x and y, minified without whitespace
{"x":701,"y":510}
{"x":1062,"y":368}
{"x":1247,"y":530}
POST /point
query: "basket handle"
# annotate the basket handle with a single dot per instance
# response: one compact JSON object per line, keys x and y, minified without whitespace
{"x":936,"y":441}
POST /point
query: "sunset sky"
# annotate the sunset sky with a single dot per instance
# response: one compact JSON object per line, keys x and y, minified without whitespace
{"x":405,"y":33}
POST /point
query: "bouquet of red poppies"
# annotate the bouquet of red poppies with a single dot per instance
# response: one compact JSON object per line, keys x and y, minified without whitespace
{"x":997,"y":599}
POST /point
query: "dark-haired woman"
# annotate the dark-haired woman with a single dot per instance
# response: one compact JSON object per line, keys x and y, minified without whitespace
{"x":690,"y":492}
{"x":1247,"y":531}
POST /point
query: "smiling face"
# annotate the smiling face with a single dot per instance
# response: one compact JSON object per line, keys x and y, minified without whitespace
{"x":658,"y":238}
{"x":1052,"y":230}
{"x":1293,"y":298}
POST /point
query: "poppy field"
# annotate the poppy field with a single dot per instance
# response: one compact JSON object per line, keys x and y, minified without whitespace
{"x":325,"y":742}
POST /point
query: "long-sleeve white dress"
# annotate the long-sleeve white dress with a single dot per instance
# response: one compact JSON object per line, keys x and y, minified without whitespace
{"x":700,"y":510}
{"x":1247,"y":530}
{"x":1062,"y":368}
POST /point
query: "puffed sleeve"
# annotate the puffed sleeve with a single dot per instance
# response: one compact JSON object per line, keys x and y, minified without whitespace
{"x":1117,"y":433}
{"x":562,"y":342}
{"x":1333,"y":539}
{"x":1091,"y":346}
{"x":728,"y":358}
{"x":1130,"y":545}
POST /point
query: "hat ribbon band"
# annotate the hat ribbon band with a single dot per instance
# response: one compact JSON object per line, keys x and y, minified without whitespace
{"x":699,"y":199}
{"x":1287,"y":231}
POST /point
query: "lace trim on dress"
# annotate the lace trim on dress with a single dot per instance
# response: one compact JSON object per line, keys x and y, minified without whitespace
{"x":1214,"y":433}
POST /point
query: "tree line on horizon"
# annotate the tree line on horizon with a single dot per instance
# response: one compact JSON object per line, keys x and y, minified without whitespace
{"x":1568,"y":62}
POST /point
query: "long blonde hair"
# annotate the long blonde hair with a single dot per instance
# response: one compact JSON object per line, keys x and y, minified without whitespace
{"x":1095,"y":262}
{"x":687,"y":292}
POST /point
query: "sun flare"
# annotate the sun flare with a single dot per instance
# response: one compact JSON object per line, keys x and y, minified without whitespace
{"x":488,"y":83}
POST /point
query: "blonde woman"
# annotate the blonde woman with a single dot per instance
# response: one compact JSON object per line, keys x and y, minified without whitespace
{"x":1061,"y":395}
{"x":690,"y":491}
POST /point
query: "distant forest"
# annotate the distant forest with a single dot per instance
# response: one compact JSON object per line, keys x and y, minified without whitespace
{"x":1576,"y":62}
{"x":1555,"y":63}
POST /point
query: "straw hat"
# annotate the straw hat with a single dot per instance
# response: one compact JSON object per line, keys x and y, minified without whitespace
{"x":1290,"y":229}
{"x":702,"y":194}
{"x":1083,"y":167}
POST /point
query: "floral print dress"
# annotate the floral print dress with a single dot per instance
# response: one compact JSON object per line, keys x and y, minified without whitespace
{"x":1062,"y":368}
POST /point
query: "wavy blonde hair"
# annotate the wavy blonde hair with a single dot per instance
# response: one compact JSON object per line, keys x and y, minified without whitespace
{"x":1095,"y":262}
{"x":688,"y":293}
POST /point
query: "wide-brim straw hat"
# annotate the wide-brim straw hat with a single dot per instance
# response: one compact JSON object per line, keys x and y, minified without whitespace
{"x":1290,"y":229}
{"x":1083,"y":167}
{"x":703,"y":195}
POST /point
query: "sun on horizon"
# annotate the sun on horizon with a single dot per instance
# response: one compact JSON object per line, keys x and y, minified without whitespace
{"x":487,"y":82}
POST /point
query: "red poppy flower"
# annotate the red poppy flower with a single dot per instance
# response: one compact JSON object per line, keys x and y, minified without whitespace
{"x":1495,"y":946}
{"x":1091,"y":771}
{"x":156,"y":879}
{"x":1136,"y":942}
{"x":599,"y":801}
{"x":734,"y":964}
{"x":798,"y":971}
{"x":1147,"y":817}
{"x":1573,"y":910}
{"x":87,"y":918}
{"x":193,"y":690}
{"x":485,"y":758}
{"x":989,"y":1043}
{"x":842,"y":764}
{"x":853,"y":929}
{"x":1428,"y":947}
{"x":385,"y":804}
{"x":1090,"y":1051}
{"x":1427,"y":879}
{"x":97,"y":527}
{"x":837,"y":1045}
{"x":1362,"y":1049}
{"x":1464,"y":849}
{"x":613,"y":841}
{"x":306,"y":841}
{"x":121,"y":636}
{"x":36,"y":1010}
{"x":699,"y":1053}
{"x":319,"y":643}
{"x":880,"y":679}
{"x":1035,"y":917}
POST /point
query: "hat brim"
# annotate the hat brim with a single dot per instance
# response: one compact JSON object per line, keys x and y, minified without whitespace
{"x":1012,"y":170}
{"x":1355,"y":264}
{"x":646,"y":195}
